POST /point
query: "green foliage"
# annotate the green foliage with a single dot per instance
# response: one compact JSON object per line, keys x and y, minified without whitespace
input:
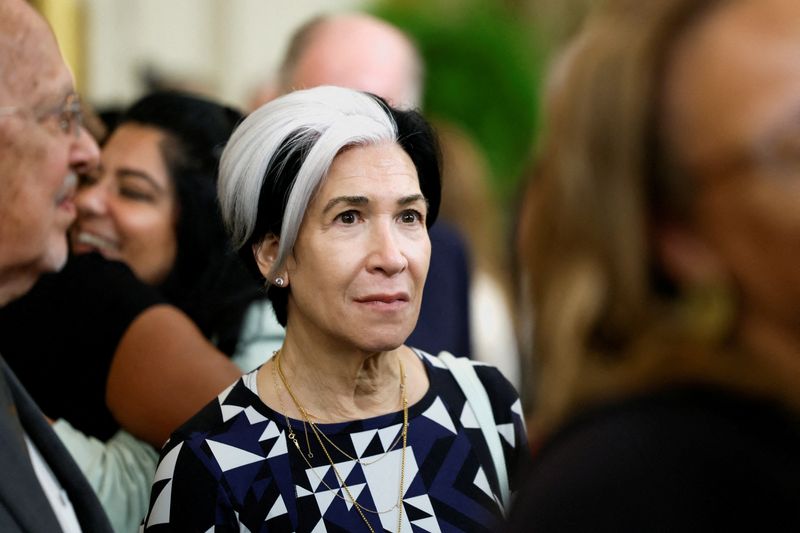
{"x":483,"y":73}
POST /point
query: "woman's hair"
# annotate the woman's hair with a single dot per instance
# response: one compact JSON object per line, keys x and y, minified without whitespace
{"x":208,"y":281}
{"x":602,"y":305}
{"x":279,"y":156}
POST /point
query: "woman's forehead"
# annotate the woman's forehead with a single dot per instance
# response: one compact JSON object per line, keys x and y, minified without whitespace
{"x":733,"y":79}
{"x":377,"y":168}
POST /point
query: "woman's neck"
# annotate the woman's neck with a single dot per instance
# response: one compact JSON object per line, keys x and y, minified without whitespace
{"x":334,"y":383}
{"x":343,"y":386}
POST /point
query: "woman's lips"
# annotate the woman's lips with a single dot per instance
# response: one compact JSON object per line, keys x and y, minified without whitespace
{"x":384,"y":301}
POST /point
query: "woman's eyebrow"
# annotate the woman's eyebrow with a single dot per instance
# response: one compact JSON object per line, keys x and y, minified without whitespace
{"x":410,"y":199}
{"x":363,"y":200}
{"x":349,"y":200}
{"x":139,"y":174}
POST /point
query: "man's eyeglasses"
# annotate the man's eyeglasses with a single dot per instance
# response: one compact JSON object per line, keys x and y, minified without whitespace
{"x":69,"y":114}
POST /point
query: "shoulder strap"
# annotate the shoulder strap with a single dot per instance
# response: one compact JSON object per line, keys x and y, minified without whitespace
{"x":464,"y":373}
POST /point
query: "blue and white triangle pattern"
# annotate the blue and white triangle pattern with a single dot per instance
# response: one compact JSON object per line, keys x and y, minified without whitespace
{"x":159,"y":511}
{"x":438,"y":413}
{"x":382,"y":478}
{"x":229,"y":457}
{"x":240,"y":455}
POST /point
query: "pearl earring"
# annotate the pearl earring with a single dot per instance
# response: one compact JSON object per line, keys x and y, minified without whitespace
{"x":279,"y":282}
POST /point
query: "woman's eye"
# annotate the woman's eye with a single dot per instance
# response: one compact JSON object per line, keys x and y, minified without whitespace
{"x":410,"y":216}
{"x":135,"y":194}
{"x":348,"y":217}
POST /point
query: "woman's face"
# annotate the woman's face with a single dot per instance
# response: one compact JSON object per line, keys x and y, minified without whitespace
{"x":126,"y":207}
{"x":739,"y":125}
{"x":362,"y":253}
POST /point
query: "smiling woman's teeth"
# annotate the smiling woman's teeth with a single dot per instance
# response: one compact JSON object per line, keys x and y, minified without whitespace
{"x":94,"y":240}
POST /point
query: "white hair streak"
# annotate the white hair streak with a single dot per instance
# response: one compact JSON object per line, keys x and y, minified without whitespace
{"x":322,"y":120}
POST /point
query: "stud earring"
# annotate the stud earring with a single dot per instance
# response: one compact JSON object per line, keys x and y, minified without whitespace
{"x":279,"y":282}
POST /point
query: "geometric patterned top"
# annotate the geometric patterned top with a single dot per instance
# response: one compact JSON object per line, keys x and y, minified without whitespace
{"x":232,"y":467}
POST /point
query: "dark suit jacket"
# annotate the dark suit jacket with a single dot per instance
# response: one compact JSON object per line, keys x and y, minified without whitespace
{"x":444,"y":316}
{"x":23,"y":504}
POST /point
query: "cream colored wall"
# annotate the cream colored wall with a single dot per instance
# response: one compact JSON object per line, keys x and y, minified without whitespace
{"x":226,"y":46}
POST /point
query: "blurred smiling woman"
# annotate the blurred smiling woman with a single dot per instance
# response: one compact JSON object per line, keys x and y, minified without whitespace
{"x":328,"y":194}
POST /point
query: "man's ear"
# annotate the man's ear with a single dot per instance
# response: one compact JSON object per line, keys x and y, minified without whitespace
{"x":265,"y":253}
{"x":686,"y":257}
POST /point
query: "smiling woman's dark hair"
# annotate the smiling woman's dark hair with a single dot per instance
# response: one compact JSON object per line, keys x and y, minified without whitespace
{"x":208,"y":281}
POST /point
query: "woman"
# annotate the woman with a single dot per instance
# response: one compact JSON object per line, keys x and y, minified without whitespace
{"x":328,"y":193}
{"x":152,"y":205}
{"x":150,"y":208}
{"x":660,"y":243}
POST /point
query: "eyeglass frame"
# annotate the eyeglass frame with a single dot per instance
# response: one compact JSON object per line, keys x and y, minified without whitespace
{"x":69,"y":113}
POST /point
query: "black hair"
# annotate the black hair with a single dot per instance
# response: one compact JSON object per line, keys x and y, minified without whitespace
{"x":208,"y":280}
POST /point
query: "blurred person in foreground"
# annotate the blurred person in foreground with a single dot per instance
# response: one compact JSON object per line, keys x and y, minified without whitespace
{"x":43,"y":147}
{"x":329,"y":194}
{"x":660,"y":240}
{"x":359,"y":51}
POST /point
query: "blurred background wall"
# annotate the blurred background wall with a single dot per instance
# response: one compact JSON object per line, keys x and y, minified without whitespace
{"x":485,"y":58}
{"x":220,"y":47}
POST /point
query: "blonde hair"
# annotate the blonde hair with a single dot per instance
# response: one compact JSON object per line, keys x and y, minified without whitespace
{"x":603,"y":311}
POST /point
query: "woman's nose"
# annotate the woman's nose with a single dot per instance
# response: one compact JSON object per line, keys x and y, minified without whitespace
{"x":92,"y":199}
{"x":386,"y":255}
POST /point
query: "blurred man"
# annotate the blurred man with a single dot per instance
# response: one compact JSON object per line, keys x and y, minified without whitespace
{"x":355,"y":50}
{"x":362,"y":52}
{"x":43,"y":145}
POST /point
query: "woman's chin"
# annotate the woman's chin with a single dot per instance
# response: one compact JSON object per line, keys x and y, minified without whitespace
{"x":383,"y":344}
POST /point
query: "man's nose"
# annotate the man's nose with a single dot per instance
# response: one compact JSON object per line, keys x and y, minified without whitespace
{"x":84,"y":152}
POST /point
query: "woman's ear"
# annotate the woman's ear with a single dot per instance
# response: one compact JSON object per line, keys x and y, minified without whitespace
{"x":686,"y":257}
{"x":265,"y":253}
{"x":706,"y":307}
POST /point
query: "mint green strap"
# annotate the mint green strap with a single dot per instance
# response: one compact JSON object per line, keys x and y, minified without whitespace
{"x":119,"y":470}
{"x":464,"y":373}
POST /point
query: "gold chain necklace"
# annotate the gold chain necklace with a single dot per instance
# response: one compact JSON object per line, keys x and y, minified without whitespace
{"x":356,"y":459}
{"x":306,"y":420}
{"x":307,"y":416}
